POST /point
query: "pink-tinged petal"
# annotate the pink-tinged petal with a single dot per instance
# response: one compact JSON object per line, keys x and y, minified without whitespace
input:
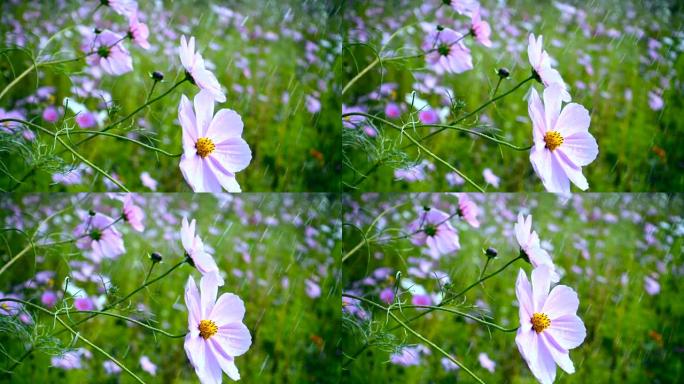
{"x":226,"y":362}
{"x":192,"y":301}
{"x":191,"y":168}
{"x":538,"y":256}
{"x":541,"y":282}
{"x":208,"y":290}
{"x":207,"y":81}
{"x":188,"y":234}
{"x":186,"y":117}
{"x":572,"y":171}
{"x":226,"y":124}
{"x":559,"y":355}
{"x":542,"y":163}
{"x":536,"y":112}
{"x":557,"y":181}
{"x":225,"y":178}
{"x":212,"y":372}
{"x":552,"y":105}
{"x":534,"y":50}
{"x":234,"y":154}
{"x":523,"y":291}
{"x":561,"y":301}
{"x":546,"y":365}
{"x":228,"y":309}
{"x":580,"y":147}
{"x":573,"y":119}
{"x":233,"y":338}
{"x":194,"y":349}
{"x":183,"y":52}
{"x":204,"y":111}
{"x":568,"y":331}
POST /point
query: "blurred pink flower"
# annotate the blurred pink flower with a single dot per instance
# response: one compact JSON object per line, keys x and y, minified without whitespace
{"x":213,"y":147}
{"x":194,"y":249}
{"x":463,"y":6}
{"x":491,"y":178}
{"x":562,"y":142}
{"x":468,"y":210}
{"x":529,"y":243}
{"x":137,"y":31}
{"x":655,"y":101}
{"x":194,"y":66}
{"x":148,"y":181}
{"x":549,"y":325}
{"x":147,"y":365}
{"x":480,"y":29}
{"x":108,"y":53}
{"x":541,"y":65}
{"x":84,"y":304}
{"x":313,"y":290}
{"x":86,"y":120}
{"x":50,"y":114}
{"x":651,"y":285}
{"x":387,"y":295}
{"x":111,"y":368}
{"x":133,"y":214}
{"x":48,"y":299}
{"x":433,"y":229}
{"x":486,"y":362}
{"x":447,"y":53}
{"x":428,"y":116}
{"x":122,"y":7}
{"x":98,"y":234}
{"x":392,"y":110}
{"x":217,"y":334}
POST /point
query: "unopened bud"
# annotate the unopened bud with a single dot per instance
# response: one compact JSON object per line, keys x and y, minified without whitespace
{"x":157,"y":76}
{"x":491,"y":252}
{"x":503,"y":73}
{"x":155,"y":257}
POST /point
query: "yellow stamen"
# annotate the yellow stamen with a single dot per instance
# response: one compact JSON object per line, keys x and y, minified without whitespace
{"x":204,"y":146}
{"x":553,"y":140}
{"x":540,"y":322}
{"x":207,"y":328}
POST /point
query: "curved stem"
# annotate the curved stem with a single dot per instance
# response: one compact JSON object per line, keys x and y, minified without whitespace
{"x":457,"y":312}
{"x":121,"y":137}
{"x":129,"y":319}
{"x":418,"y":335}
{"x":77,"y":335}
{"x":480,"y":134}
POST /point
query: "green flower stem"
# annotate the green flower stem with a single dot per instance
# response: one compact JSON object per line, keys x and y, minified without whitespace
{"x":456,"y":312}
{"x":465,"y":290}
{"x":129,"y":319}
{"x":77,"y":335}
{"x":121,"y":137}
{"x":418,"y":335}
{"x":477,"y":133}
{"x":420,"y":146}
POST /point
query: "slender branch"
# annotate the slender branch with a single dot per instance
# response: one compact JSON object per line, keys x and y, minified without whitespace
{"x":129,"y":319}
{"x":457,"y":312}
{"x":418,"y":335}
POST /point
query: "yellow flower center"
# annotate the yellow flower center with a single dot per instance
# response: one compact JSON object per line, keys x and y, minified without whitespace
{"x":540,"y":322}
{"x":553,"y":140}
{"x":207,"y":328}
{"x":204,"y":146}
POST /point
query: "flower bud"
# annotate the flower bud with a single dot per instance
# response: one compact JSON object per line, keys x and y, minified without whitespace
{"x":491,"y":252}
{"x":426,"y":208}
{"x":157,"y":76}
{"x":155,"y":257}
{"x":440,"y":28}
{"x":91,"y":212}
{"x":503,"y":73}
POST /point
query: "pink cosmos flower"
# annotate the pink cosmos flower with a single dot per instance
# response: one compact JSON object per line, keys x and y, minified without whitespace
{"x":387,"y":295}
{"x":133,"y":214}
{"x":122,"y":7}
{"x":148,"y":181}
{"x":217,"y":334}
{"x":213,"y":147}
{"x":463,"y":6}
{"x":194,"y":67}
{"x":84,"y":304}
{"x":541,"y":65}
{"x":98,"y":234}
{"x":148,"y":366}
{"x":486,"y":362}
{"x":392,"y":110}
{"x":480,"y":29}
{"x":86,"y":120}
{"x":468,"y":210}
{"x":48,"y":298}
{"x":549,"y":325}
{"x":109,"y":53}
{"x":529,"y":243}
{"x":50,"y":114}
{"x":428,"y":116}
{"x":446,"y":52}
{"x":138,"y":32}
{"x":491,"y":178}
{"x":436,"y":232}
{"x":562,"y":142}
{"x":194,"y":248}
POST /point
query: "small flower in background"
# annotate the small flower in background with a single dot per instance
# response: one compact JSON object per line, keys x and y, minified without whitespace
{"x":50,"y":114}
{"x":216,"y":331}
{"x":194,"y":66}
{"x":562,"y":142}
{"x":71,"y":359}
{"x":138,"y":32}
{"x":541,"y":66}
{"x":98,"y":234}
{"x":313,"y":290}
{"x":194,"y":248}
{"x":468,"y":210}
{"x":48,"y":298}
{"x":549,"y":326}
{"x":491,"y":178}
{"x":462,"y":6}
{"x":133,"y":214}
{"x":148,"y":181}
{"x":655,"y":101}
{"x":122,"y":7}
{"x":111,"y":368}
{"x":447,"y":53}
{"x":486,"y":362}
{"x":86,"y":120}
{"x":428,"y":116}
{"x":148,"y":366}
{"x":449,"y":365}
{"x":213,"y":147}
{"x":392,"y":110}
{"x":529,"y":243}
{"x":651,"y":285}
{"x":387,"y":295}
{"x":84,"y":304}
{"x":108,"y":53}
{"x":353,"y":120}
{"x":480,"y":29}
{"x":421,"y":300}
{"x":407,"y":356}
{"x":433,"y":229}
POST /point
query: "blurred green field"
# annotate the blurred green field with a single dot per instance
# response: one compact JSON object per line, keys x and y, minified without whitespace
{"x":605,"y":244}
{"x":603,"y":52}
{"x":267,"y":246}
{"x":271,"y":57}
